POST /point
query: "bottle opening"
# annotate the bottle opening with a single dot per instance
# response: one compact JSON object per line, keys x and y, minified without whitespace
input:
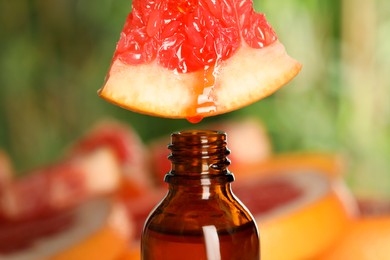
{"x":193,"y":137}
{"x":199,"y":152}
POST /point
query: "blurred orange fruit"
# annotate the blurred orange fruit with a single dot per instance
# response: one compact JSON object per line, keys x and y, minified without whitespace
{"x":299,"y":215}
{"x":192,"y":59}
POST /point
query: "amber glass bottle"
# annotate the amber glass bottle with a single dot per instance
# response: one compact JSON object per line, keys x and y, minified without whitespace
{"x":200,"y":218}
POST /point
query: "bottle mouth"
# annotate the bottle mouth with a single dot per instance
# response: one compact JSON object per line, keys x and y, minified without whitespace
{"x":195,"y":152}
{"x":198,"y":136}
{"x":199,"y":143}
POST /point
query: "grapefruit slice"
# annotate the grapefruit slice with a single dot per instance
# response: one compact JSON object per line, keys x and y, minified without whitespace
{"x":192,"y":59}
{"x":299,"y":215}
{"x":98,"y":229}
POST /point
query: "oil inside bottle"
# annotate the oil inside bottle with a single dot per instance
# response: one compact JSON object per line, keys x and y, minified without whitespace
{"x":210,"y":244}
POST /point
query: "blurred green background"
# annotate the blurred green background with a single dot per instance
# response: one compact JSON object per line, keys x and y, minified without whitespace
{"x":54,"y":56}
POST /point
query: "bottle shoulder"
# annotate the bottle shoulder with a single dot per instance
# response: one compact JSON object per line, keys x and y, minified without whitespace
{"x":191,"y":212}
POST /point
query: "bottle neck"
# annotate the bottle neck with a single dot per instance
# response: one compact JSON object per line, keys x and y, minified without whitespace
{"x":199,"y":155}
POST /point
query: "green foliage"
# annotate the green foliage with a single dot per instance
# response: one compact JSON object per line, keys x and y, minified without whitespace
{"x":55,"y":54}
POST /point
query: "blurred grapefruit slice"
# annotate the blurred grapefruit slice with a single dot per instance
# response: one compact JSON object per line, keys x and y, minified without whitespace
{"x":299,"y":214}
{"x":61,"y":185}
{"x":108,"y":156}
{"x":368,"y":237}
{"x":192,"y":59}
{"x":98,"y":229}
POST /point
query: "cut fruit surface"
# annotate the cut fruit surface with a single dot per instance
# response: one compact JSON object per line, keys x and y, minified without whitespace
{"x":299,"y":215}
{"x":79,"y":233}
{"x":192,"y":59}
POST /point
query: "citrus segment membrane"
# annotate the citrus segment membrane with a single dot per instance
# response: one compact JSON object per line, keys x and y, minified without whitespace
{"x":191,"y":59}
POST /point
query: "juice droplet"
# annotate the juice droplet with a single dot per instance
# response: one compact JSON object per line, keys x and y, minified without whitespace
{"x":194,"y":119}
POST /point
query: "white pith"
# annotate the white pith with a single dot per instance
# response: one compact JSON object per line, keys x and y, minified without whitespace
{"x":248,"y":76}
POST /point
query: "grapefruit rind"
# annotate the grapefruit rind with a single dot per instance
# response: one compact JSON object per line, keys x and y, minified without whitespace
{"x":248,"y":76}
